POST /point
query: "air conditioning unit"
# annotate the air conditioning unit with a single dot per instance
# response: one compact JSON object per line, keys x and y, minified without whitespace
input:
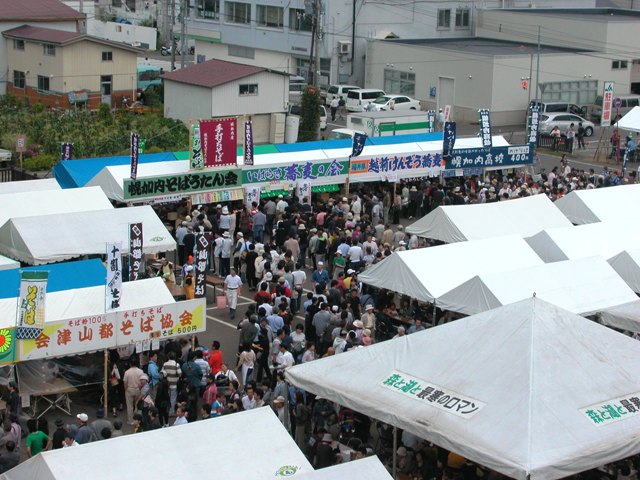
{"x":344,"y":48}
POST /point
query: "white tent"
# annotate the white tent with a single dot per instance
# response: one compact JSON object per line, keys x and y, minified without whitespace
{"x":54,"y":238}
{"x":457,"y":223}
{"x":627,"y":265}
{"x":8,"y":264}
{"x":600,"y":204}
{"x":631,"y":121}
{"x":427,"y":273}
{"x":368,"y":468}
{"x":511,"y":389}
{"x":601,"y":238}
{"x":29,"y":204}
{"x":29,"y":186}
{"x":216,"y":447}
{"x":583,"y":286}
{"x":624,"y":317}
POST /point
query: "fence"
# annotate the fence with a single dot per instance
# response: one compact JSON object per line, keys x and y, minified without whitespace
{"x":12,"y":174}
{"x":557,"y":144}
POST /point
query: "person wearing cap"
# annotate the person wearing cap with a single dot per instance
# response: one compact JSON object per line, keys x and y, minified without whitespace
{"x":226,"y":252}
{"x":281,"y":206}
{"x":185,"y":266}
{"x":84,"y":432}
{"x":320,"y":276}
{"x":369,"y":319}
{"x":224,"y":223}
{"x":232,"y":284}
{"x":339,"y":263}
{"x":238,"y":249}
{"x":100,"y":423}
{"x":58,"y":435}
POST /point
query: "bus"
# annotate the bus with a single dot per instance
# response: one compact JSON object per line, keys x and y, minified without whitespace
{"x":148,"y":75}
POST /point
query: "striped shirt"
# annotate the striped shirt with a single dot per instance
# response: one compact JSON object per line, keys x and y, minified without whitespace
{"x":171,"y":370}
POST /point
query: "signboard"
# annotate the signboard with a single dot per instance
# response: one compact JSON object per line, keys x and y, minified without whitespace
{"x":21,"y":143}
{"x":135,"y":250}
{"x":447,"y":112}
{"x":186,"y":183}
{"x":428,"y":393}
{"x":607,"y":103}
{"x":218,"y":196}
{"x":485,"y":128}
{"x":295,"y":172}
{"x":359,"y":140}
{"x":31,"y":304}
{"x":431,"y":120}
{"x":462,"y":172}
{"x":409,"y":164}
{"x":248,"y":142}
{"x":134,"y":155}
{"x":115,"y":329}
{"x":202,"y":255}
{"x":252,"y":194}
{"x":114,"y":276}
{"x":66,"y":151}
{"x":303,"y":190}
{"x":448,"y":138}
{"x":196,"y":160}
{"x":617,"y":102}
{"x":534,"y":122}
{"x":614,"y":410}
{"x":497,"y":157}
{"x":218,"y":141}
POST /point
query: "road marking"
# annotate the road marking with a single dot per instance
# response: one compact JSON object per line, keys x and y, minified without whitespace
{"x":222,"y":322}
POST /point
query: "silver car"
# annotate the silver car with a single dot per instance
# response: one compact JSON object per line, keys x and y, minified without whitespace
{"x":562,"y":120}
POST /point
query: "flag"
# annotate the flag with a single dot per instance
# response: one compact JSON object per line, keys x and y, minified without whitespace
{"x":218,"y":142}
{"x":448,"y":139}
{"x":66,"y":151}
{"x":359,"y":140}
{"x":202,"y":256}
{"x":135,"y":250}
{"x":196,"y":161}
{"x":134,"y":155}
{"x":33,"y":293}
{"x":114,"y":276}
{"x":485,"y":128}
{"x":248,"y":142}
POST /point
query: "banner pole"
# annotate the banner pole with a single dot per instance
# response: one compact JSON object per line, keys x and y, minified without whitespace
{"x":106,"y":382}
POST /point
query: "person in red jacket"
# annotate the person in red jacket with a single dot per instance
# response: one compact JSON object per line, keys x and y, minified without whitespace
{"x":215,"y":357}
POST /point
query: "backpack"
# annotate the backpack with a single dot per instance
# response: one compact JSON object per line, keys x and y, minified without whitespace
{"x":222,"y":381}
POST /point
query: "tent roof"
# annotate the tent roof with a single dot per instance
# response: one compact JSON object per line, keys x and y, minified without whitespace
{"x":447,"y":266}
{"x":583,"y":286}
{"x":624,"y":317}
{"x":78,"y":234}
{"x":26,"y":204}
{"x":370,"y":468}
{"x":232,"y":458}
{"x":82,"y":302}
{"x":29,"y":186}
{"x":457,"y":223}
{"x":7,"y":263}
{"x":627,"y":265}
{"x":567,"y":243}
{"x":530,"y":368}
{"x":62,"y":276}
{"x":599,"y":204}
{"x":631,"y":121}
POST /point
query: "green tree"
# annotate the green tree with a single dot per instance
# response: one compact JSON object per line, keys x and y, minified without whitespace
{"x":310,"y":117}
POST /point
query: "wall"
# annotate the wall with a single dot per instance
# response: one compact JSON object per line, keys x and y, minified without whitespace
{"x":135,"y":35}
{"x":281,"y":62}
{"x":273,"y":95}
{"x":186,"y":102}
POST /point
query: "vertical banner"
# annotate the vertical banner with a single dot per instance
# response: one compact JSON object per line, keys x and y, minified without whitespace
{"x":431,"y":120}
{"x":135,"y":250}
{"x":202,"y":255}
{"x":196,"y":161}
{"x":448,"y":139}
{"x":607,"y":103}
{"x":252,"y":194}
{"x":114,"y":276}
{"x":304,"y":191}
{"x":134,"y":155}
{"x":33,"y":294}
{"x":447,"y":112}
{"x":534,"y":120}
{"x":218,"y":141}
{"x":359,"y":140}
{"x":66,"y":152}
{"x":248,"y":142}
{"x":485,"y":128}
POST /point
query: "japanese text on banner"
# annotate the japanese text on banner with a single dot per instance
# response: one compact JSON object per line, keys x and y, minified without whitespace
{"x":31,"y":307}
{"x":202,"y":257}
{"x":218,"y":142}
{"x":196,"y":160}
{"x":614,"y":410}
{"x":135,"y":250}
{"x":134,"y":155}
{"x":248,"y":142}
{"x":114,"y":276}
{"x":485,"y":128}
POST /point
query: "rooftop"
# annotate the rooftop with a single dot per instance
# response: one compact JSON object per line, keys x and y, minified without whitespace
{"x":586,"y":14}
{"x":214,"y":72}
{"x":484,"y":46}
{"x":37,"y":10}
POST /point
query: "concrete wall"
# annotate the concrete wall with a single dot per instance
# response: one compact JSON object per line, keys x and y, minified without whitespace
{"x":279,"y":61}
{"x":273,"y":95}
{"x":186,"y":102}
{"x":119,"y":32}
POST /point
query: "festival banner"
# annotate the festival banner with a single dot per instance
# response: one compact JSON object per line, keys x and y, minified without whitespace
{"x":485,"y":128}
{"x":202,"y":256}
{"x":134,"y":155}
{"x":534,"y":121}
{"x":135,"y":250}
{"x":66,"y":151}
{"x":321,"y":172}
{"x":404,"y":165}
{"x":248,"y":142}
{"x":498,"y":157}
{"x":219,"y":196}
{"x":8,"y":344}
{"x":218,"y":141}
{"x":359,"y":140}
{"x":196,"y":160}
{"x":31,"y":306}
{"x":448,"y":139}
{"x":252,"y":194}
{"x":431,"y":119}
{"x":114,"y":276}
{"x":607,"y":103}
{"x":304,"y":191}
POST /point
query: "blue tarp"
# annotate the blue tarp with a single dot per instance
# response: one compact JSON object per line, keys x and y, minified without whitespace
{"x":62,"y":276}
{"x":77,"y":173}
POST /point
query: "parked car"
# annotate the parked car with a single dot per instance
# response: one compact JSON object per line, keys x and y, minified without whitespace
{"x":336,"y":91}
{"x":342,"y":133}
{"x":297,"y":110}
{"x":357,"y":99}
{"x":400,"y":102}
{"x":562,"y":121}
{"x":627,"y":103}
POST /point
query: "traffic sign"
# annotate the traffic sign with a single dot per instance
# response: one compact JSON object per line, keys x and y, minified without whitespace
{"x":617,"y":102}
{"x":21,"y":142}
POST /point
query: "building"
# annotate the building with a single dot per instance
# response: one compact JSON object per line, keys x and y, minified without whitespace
{"x":217,"y":88}
{"x":50,"y":13}
{"x":65,"y":69}
{"x":277,"y":35}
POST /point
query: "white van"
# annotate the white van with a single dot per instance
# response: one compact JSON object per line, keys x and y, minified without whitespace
{"x":627,"y":103}
{"x":297,"y":110}
{"x":337,"y":91}
{"x":358,"y":99}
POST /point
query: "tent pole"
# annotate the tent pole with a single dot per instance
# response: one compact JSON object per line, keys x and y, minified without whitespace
{"x":106,"y":382}
{"x":395,"y":449}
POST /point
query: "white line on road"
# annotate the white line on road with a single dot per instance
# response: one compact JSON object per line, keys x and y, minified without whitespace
{"x":222,"y":322}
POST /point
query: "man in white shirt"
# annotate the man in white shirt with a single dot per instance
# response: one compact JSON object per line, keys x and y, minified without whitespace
{"x":355,"y":256}
{"x":284,"y":358}
{"x":181,"y":417}
{"x":281,"y":206}
{"x":231,"y":285}
{"x":299,"y":278}
{"x":249,"y":399}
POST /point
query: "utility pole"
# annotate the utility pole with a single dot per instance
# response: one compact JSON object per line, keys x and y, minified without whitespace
{"x":316,"y":73}
{"x":538,"y":67}
{"x":184,"y":13}
{"x":172,"y":41}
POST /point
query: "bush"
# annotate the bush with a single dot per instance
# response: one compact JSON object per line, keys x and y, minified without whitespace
{"x":310,"y":118}
{"x":42,"y":162}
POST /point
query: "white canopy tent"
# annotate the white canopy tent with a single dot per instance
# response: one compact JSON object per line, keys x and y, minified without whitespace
{"x":427,"y":273}
{"x":583,"y":286}
{"x":183,"y":453}
{"x":624,"y":317}
{"x":8,"y":264}
{"x":458,"y":223}
{"x":631,"y":121}
{"x":508,"y":388}
{"x":600,"y":204}
{"x":28,"y":204}
{"x":627,"y":265}
{"x":29,"y":186}
{"x":568,"y":243}
{"x":54,"y":238}
{"x":368,"y":468}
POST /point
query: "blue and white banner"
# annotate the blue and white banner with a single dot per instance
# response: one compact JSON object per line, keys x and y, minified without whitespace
{"x":114,"y":276}
{"x":431,"y":120}
{"x":135,"y":143}
{"x":135,"y":250}
{"x":448,"y":139}
{"x":497,"y":157}
{"x":359,"y":140}
{"x":248,"y":142}
{"x":534,"y":121}
{"x":485,"y":128}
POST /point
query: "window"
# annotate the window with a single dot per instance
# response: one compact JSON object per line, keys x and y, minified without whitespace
{"x":268,"y":16}
{"x":242,"y":52}
{"x":302,"y":68}
{"x":462,"y":18}
{"x":619,"y":65}
{"x":18,"y":44}
{"x":43,"y":83}
{"x":581,"y":92}
{"x":116,"y":3}
{"x":18,"y":79}
{"x":298,"y":21}
{"x":248,"y":89}
{"x":444,"y":18}
{"x":209,"y":9}
{"x":397,"y":82}
{"x":48,"y":49}
{"x":107,"y":56}
{"x":236,"y":12}
{"x":131,"y":5}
